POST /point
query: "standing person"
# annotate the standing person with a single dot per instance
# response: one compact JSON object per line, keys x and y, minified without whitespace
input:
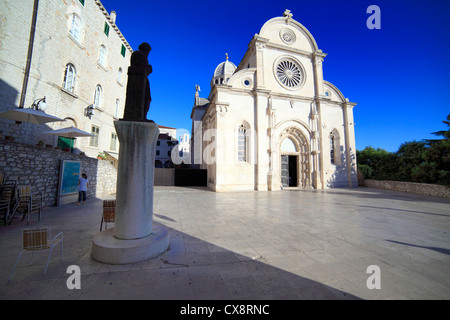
{"x":82,"y":188}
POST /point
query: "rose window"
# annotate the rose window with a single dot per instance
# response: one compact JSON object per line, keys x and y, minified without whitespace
{"x":288,"y":36}
{"x":289,"y":73}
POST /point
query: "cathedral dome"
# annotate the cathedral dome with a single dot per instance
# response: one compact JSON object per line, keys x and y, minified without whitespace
{"x":226,"y":68}
{"x":223,"y":72}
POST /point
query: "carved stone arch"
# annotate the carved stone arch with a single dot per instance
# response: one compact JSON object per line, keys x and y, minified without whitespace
{"x":66,"y":123}
{"x":70,"y":122}
{"x":302,"y":152}
{"x":294,"y":123}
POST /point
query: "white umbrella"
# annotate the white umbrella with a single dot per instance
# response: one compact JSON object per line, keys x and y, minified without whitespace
{"x":71,"y":132}
{"x":29,"y":115}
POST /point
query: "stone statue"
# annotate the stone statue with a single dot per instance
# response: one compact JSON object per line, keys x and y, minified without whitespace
{"x":138,"y":96}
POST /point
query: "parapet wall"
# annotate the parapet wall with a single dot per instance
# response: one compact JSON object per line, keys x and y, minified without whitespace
{"x":39,"y":167}
{"x":412,"y":187}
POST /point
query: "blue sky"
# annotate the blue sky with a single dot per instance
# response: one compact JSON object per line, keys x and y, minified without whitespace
{"x":398,"y":75}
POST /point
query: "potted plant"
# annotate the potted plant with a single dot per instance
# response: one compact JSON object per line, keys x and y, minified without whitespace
{"x":40,"y":143}
{"x":101,"y":156}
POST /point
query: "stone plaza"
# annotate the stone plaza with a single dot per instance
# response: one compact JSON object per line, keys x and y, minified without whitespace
{"x":291,"y":244}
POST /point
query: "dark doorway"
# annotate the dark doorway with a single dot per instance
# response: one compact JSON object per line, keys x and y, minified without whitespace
{"x":292,"y":171}
{"x":289,"y":174}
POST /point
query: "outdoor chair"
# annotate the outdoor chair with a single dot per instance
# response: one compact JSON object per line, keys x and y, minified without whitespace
{"x":36,"y":204}
{"x":5,"y":181}
{"x":34,"y":239}
{"x":109,"y":213}
{"x":28,"y":201}
{"x":6,"y":200}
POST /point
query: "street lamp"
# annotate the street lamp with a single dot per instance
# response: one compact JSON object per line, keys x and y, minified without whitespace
{"x":89,"y":111}
{"x":39,"y":104}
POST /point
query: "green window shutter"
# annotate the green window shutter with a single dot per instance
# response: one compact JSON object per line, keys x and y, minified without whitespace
{"x":123,"y":51}
{"x":82,"y":2}
{"x":106,"y":29}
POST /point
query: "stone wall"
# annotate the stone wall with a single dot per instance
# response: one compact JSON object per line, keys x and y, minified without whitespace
{"x":39,"y":168}
{"x":164,"y":177}
{"x":420,"y":188}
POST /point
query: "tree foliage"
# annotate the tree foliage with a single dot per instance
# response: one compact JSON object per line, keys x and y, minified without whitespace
{"x":426,"y":161}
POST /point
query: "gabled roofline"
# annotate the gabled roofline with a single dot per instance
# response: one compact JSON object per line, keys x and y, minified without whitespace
{"x":113,"y":25}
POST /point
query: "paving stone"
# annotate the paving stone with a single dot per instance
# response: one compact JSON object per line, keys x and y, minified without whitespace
{"x":286,"y":245}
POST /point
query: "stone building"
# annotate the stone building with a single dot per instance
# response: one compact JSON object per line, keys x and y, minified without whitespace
{"x":273,"y":122}
{"x":164,"y":145}
{"x":79,"y":61}
{"x":170,"y":150}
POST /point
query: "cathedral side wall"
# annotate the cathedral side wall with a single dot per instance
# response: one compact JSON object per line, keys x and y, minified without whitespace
{"x":333,"y":123}
{"x":230,"y":172}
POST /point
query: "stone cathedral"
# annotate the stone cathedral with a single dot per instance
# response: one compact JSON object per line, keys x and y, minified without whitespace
{"x":272,"y":122}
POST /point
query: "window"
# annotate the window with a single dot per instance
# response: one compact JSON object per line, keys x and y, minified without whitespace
{"x":112,"y":145}
{"x":289,"y":73}
{"x":335,"y":155}
{"x":98,"y":96}
{"x":332,"y":148}
{"x":158,"y":143}
{"x":69,"y":78}
{"x":116,"y":111}
{"x":157,"y":152}
{"x":119,"y":75}
{"x":102,"y":56}
{"x":94,"y":139}
{"x":242,"y":144}
{"x":106,"y":28}
{"x":75,"y":28}
{"x":123,"y":51}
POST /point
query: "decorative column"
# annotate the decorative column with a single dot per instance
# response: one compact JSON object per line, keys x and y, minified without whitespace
{"x":134,"y":200}
{"x":350,"y":155}
{"x":314,"y":144}
{"x":261,"y":97}
{"x":134,"y":238}
{"x":317,"y":58}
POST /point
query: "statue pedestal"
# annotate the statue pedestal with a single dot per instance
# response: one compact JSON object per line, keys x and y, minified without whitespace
{"x":133,"y":238}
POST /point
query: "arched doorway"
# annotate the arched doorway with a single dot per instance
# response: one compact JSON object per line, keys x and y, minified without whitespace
{"x":289,"y":163}
{"x":294,"y":159}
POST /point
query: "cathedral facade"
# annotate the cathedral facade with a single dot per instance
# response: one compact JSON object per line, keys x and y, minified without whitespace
{"x":272,"y":122}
